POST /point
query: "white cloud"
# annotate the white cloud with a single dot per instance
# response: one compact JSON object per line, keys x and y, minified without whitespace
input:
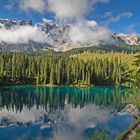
{"x":25,"y":116}
{"x":78,"y":120}
{"x":82,"y":31}
{"x":114,"y":19}
{"x":34,"y":5}
{"x":22,"y":34}
{"x":47,"y":20}
{"x":69,"y":124}
{"x":90,"y":34}
{"x":65,"y":9}
{"x":91,"y":23}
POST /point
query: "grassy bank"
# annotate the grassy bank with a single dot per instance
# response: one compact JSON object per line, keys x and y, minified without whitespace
{"x":137,"y":137}
{"x":128,"y":131}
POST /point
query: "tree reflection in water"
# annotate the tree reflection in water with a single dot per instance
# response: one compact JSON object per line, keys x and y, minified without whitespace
{"x":59,"y":97}
{"x":63,"y":111}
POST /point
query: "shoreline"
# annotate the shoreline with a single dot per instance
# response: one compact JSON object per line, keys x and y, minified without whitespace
{"x":82,"y":86}
{"x":129,"y":133}
{"x":52,"y":86}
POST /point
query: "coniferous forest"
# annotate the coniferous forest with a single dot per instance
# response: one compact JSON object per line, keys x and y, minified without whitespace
{"x":50,"y":69}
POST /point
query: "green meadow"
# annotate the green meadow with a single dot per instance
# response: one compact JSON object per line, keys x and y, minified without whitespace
{"x":128,"y":59}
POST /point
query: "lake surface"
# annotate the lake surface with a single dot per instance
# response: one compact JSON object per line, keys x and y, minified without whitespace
{"x":62,"y":113}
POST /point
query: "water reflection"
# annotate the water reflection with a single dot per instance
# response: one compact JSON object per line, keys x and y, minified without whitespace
{"x":57,"y":113}
{"x":57,"y":98}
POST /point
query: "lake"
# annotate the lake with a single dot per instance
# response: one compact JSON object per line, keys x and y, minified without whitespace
{"x":62,"y":113}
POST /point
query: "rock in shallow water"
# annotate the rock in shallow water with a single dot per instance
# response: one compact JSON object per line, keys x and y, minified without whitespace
{"x":132,"y":109}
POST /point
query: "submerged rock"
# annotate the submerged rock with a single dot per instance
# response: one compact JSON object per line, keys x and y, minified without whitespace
{"x":132,"y":109}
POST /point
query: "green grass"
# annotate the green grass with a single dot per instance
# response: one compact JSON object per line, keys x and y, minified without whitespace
{"x":134,"y":98}
{"x":137,"y":137}
{"x":125,"y":133}
{"x":126,"y":58}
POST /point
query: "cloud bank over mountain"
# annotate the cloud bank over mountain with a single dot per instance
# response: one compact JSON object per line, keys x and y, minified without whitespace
{"x":69,"y":29}
{"x":86,"y":34}
{"x":82,"y":31}
{"x":22,"y":34}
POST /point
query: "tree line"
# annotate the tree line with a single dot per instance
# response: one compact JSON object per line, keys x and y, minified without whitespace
{"x":19,"y":68}
{"x":137,"y":63}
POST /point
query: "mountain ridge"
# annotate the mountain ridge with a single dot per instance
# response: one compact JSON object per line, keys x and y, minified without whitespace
{"x":53,"y":35}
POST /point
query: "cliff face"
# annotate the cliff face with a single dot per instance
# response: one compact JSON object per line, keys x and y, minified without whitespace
{"x":8,"y":24}
{"x":132,"y":40}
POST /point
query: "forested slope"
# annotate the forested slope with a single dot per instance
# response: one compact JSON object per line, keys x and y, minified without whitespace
{"x":50,"y":69}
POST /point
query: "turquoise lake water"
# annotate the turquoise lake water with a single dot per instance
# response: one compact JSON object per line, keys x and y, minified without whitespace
{"x":62,"y":113}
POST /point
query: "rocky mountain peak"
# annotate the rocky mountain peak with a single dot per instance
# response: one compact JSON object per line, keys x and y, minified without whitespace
{"x":7,"y":23}
{"x":53,"y":35}
{"x":132,"y":39}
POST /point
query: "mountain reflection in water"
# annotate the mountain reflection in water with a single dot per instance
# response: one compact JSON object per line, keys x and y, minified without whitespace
{"x":60,"y":113}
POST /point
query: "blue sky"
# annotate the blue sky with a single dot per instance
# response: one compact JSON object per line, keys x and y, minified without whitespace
{"x":121,"y":16}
